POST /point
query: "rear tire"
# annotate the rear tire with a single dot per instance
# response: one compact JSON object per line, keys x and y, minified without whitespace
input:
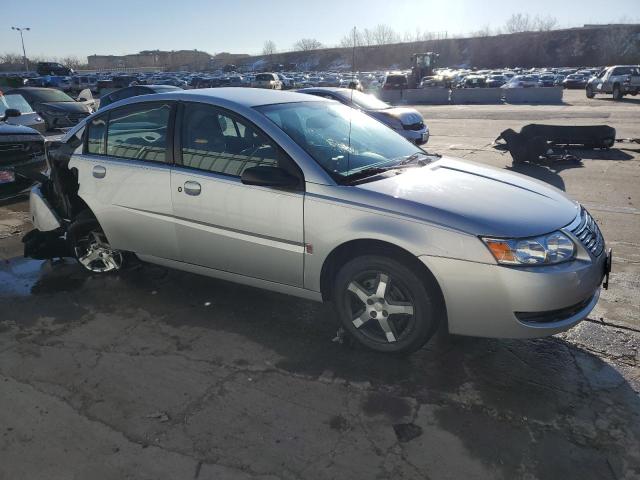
{"x":385,"y":305}
{"x":90,"y":246}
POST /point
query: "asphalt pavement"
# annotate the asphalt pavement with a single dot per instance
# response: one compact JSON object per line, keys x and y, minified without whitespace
{"x":159,"y":374}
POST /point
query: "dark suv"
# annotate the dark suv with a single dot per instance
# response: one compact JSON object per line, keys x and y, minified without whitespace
{"x":21,"y":151}
{"x":53,"y":68}
{"x":395,"y":81}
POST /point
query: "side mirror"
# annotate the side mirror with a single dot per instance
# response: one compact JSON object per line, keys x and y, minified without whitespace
{"x":11,"y":113}
{"x":269,"y":177}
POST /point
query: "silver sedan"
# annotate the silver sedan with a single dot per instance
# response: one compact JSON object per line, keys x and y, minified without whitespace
{"x":301,"y":195}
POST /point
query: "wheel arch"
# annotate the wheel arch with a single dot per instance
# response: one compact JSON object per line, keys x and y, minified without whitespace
{"x":358,"y":247}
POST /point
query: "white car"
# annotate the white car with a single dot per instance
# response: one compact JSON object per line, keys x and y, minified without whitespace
{"x":27,"y":118}
{"x":267,"y":80}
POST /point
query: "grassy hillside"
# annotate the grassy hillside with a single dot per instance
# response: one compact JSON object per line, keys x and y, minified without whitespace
{"x":590,"y":45}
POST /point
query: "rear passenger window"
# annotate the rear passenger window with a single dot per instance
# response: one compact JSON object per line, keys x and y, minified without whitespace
{"x":216,"y":142}
{"x":95,"y":136}
{"x":139,"y":132}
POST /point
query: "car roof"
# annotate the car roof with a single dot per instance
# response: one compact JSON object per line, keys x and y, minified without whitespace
{"x":32,"y":89}
{"x":246,"y":97}
{"x":324,"y":89}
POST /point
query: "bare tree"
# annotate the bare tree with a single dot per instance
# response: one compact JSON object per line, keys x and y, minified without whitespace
{"x":485,"y":31}
{"x":72,"y":62}
{"x":269,"y":48}
{"x":518,"y":22}
{"x":11,"y":59}
{"x":544,"y":24}
{"x":348,"y":40}
{"x":307,"y":44}
{"x":383,"y":35}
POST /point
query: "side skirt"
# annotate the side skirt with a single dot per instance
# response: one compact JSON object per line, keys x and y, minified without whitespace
{"x":235,"y":278}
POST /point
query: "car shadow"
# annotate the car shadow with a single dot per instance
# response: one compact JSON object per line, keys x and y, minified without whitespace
{"x":524,"y":398}
{"x":627,"y":99}
{"x":548,"y":173}
{"x":601,"y":154}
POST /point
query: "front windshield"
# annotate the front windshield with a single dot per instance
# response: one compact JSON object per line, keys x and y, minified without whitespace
{"x":14,"y":101}
{"x":341,"y":139}
{"x":51,"y":95}
{"x":366,"y":101}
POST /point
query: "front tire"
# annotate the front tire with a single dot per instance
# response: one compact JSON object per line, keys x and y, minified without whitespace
{"x":385,"y":305}
{"x":617,"y":92}
{"x":590,"y":93}
{"x":91,"y":248}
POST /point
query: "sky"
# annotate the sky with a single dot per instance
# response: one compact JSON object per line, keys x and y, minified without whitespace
{"x":71,"y":27}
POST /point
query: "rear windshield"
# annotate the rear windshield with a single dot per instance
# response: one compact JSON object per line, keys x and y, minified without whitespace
{"x":264,"y":77}
{"x":51,"y":95}
{"x":14,"y":101}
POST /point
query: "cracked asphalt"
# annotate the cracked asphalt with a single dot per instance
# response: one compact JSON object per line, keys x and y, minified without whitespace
{"x":159,"y":374}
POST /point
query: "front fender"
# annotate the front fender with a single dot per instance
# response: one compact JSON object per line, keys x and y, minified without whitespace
{"x":331,"y":222}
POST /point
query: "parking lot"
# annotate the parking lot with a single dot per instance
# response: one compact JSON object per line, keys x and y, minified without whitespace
{"x":157,"y":374}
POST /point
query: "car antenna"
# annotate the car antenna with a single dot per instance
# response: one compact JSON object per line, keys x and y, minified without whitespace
{"x":351,"y":85}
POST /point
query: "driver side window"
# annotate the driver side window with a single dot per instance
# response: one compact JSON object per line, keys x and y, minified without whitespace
{"x":213,"y":141}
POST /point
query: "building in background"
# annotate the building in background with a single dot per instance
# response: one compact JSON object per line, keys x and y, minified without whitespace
{"x":162,"y":60}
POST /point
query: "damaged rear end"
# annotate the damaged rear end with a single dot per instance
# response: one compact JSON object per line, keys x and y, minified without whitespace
{"x":54,"y":203}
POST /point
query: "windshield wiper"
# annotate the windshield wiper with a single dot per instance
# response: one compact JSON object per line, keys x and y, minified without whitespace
{"x":415,"y":156}
{"x":410,"y":161}
{"x":372,"y":172}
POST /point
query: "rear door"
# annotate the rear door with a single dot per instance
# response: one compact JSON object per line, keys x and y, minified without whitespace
{"x":222,"y":223}
{"x":125,"y":177}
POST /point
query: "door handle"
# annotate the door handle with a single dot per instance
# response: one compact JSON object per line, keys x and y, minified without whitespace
{"x":192,"y":188}
{"x":99,"y":171}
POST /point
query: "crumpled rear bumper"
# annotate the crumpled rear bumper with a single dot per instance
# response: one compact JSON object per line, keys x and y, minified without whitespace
{"x":48,"y":239}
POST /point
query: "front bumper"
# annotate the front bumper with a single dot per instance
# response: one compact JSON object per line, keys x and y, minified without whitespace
{"x":20,"y":184}
{"x":419,"y":137}
{"x":490,"y":300}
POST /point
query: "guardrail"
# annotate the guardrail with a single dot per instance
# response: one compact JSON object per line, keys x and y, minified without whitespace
{"x":432,"y":96}
{"x":461,"y":96}
{"x":478,"y":96}
{"x":533,"y":95}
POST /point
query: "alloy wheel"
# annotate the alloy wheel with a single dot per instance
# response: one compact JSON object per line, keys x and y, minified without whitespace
{"x":381,"y":307}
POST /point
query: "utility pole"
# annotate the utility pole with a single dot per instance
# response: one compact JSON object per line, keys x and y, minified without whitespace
{"x":353,"y":54}
{"x":24,"y":53}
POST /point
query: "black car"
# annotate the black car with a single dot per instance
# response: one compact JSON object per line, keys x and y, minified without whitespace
{"x":53,"y":68}
{"x":21,"y":153}
{"x":134,"y":91}
{"x":575,"y":80}
{"x":57,"y":108}
{"x":547,"y":80}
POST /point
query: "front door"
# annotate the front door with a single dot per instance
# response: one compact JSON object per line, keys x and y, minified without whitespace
{"x":222,"y":223}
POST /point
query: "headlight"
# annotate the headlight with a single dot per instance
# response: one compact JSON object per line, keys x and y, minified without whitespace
{"x":544,"y":250}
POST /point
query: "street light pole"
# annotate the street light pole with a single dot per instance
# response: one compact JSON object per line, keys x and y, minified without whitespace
{"x":24,"y":53}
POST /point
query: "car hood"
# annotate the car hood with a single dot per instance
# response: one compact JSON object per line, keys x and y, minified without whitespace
{"x":69,"y":107}
{"x":8,"y":129}
{"x":475,"y":198}
{"x":408,"y":116}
